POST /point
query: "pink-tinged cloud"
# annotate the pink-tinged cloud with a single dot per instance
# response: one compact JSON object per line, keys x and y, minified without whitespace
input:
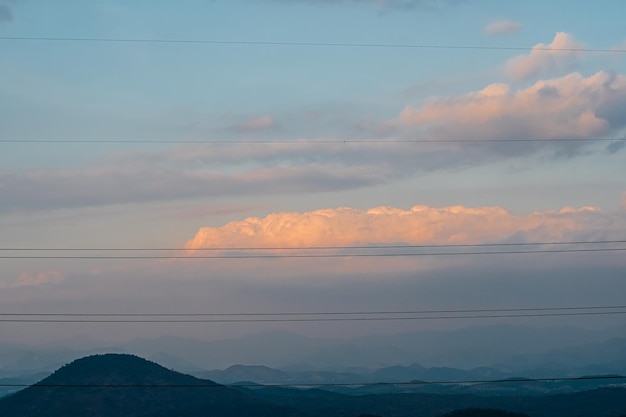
{"x":572,"y":106}
{"x":386,"y":4}
{"x":387,"y":225}
{"x":561,"y":54}
{"x":256,"y":124}
{"x":26,"y":279}
{"x":502,"y":27}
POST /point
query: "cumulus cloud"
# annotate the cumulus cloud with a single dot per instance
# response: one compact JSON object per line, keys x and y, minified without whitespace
{"x":561,"y":54}
{"x":388,"y":225}
{"x":502,"y":27}
{"x":572,"y":106}
{"x":256,"y":124}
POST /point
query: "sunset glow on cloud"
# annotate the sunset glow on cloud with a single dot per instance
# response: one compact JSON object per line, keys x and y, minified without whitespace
{"x":136,"y":133}
{"x":387,"y":225}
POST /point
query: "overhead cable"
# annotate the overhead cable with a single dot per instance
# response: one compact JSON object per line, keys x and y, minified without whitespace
{"x":210,"y":384}
{"x":323,"y":313}
{"x":298,"y":44}
{"x":301,"y":141}
{"x":309,"y":319}
{"x":298,"y":256}
{"x":326,"y":247}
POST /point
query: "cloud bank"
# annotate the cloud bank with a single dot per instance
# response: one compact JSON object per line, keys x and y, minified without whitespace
{"x":388,"y":225}
{"x":570,"y":107}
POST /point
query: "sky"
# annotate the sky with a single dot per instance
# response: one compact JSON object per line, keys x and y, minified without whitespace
{"x":308,"y":123}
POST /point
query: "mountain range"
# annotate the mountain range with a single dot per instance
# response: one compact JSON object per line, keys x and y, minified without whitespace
{"x":509,"y":349}
{"x":119,"y":384}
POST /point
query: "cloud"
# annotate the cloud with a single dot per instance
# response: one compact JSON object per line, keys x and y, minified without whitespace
{"x":502,"y":27}
{"x":26,"y":279}
{"x":560,"y":54}
{"x":256,"y":124}
{"x":388,"y":225}
{"x":621,"y":47}
{"x":118,"y":183}
{"x":624,"y":200}
{"x":6,"y":13}
{"x":572,"y":106}
{"x":386,"y":4}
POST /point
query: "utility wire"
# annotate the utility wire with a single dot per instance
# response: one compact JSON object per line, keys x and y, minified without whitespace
{"x":330,"y":247}
{"x":331,"y":384}
{"x":300,"y":141}
{"x":320,"y":313}
{"x":314,"y":319}
{"x":299,"y":44}
{"x":297,"y":256}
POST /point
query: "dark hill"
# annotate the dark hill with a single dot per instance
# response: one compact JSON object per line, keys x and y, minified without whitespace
{"x":125,"y":385}
{"x":482,"y":412}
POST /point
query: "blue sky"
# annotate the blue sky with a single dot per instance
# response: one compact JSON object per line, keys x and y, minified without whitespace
{"x":94,"y":195}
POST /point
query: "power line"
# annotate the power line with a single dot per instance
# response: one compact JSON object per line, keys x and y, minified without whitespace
{"x":320,"y":313}
{"x":327,"y":384}
{"x":314,"y":319}
{"x":330,"y":247}
{"x":297,"y":256}
{"x":299,"y":141}
{"x":298,"y":44}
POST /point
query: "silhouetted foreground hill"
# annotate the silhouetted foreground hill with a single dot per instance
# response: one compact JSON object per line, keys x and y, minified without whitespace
{"x":482,"y":412}
{"x":125,"y":385}
{"x":604,"y":402}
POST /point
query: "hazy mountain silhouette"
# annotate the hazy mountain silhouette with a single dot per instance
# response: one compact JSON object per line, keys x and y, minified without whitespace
{"x":126,"y":385}
{"x":90,"y":387}
{"x":510,"y":349}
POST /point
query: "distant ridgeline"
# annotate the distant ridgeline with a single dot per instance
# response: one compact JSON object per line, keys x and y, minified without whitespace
{"x":114,"y":385}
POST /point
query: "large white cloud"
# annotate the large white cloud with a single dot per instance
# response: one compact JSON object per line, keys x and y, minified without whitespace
{"x":386,"y":225}
{"x":562,"y":53}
